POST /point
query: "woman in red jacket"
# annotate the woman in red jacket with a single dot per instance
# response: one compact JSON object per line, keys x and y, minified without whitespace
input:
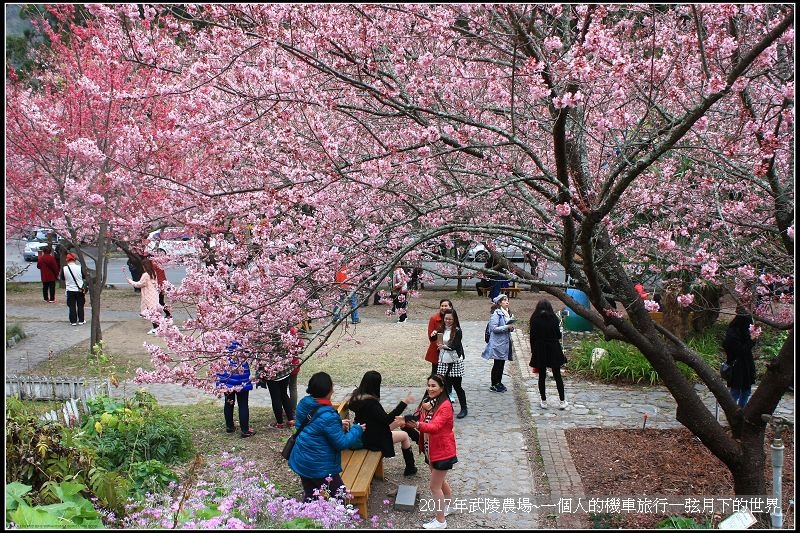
{"x":438,"y":443}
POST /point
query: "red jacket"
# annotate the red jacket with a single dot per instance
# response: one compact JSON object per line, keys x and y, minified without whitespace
{"x":441,"y":439}
{"x":49,"y":267}
{"x":436,"y":321}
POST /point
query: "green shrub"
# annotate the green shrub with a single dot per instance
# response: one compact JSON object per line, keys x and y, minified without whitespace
{"x":770,"y":343}
{"x":14,"y":330}
{"x":125,"y":433}
{"x":626,"y":363}
{"x":39,"y":454}
{"x":151,"y":476}
{"x":71,"y":511}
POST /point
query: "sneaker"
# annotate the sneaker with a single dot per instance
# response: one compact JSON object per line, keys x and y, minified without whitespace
{"x":435,"y":524}
{"x":543,"y":404}
{"x":277,"y":425}
{"x":494,"y":388}
{"x":82,"y":322}
{"x":356,"y":322}
{"x":73,"y":323}
{"x":562,"y":404}
{"x":501,"y":387}
{"x":152,"y":331}
{"x":249,"y":433}
{"x":452,"y":397}
{"x":290,"y":423}
{"x":230,"y":430}
{"x":52,"y":301}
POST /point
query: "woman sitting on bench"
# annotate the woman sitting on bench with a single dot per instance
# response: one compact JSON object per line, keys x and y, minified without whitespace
{"x":379,"y":437}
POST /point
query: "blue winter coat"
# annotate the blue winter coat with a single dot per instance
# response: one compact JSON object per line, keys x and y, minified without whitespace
{"x":317,"y":452}
{"x":499,"y":346}
{"x":239,"y":374}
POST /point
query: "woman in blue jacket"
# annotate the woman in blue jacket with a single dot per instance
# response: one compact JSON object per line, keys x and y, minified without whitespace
{"x":317,"y":453}
{"x":237,"y":375}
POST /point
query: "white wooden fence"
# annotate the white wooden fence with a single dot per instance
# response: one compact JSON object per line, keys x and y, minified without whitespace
{"x":55,"y":388}
{"x":74,"y":390}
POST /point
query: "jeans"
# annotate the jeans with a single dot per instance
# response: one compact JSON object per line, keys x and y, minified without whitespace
{"x":279,"y":395}
{"x":740,"y":396}
{"x":75,"y":302}
{"x":244,"y":410}
{"x":49,"y":290}
{"x":337,"y":311}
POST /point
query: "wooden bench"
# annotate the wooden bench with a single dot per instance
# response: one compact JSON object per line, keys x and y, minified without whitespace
{"x":511,"y":292}
{"x":359,"y":468}
{"x":341,"y":408}
{"x":484,"y":291}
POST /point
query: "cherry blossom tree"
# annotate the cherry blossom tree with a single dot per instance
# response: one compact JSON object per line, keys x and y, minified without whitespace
{"x":620,"y":141}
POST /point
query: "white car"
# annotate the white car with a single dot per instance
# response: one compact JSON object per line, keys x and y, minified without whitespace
{"x":171,"y":241}
{"x":480,"y":253}
{"x":31,"y":252}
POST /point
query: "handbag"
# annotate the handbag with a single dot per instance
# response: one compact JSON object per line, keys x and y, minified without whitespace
{"x":726,"y":370}
{"x":286,"y":452}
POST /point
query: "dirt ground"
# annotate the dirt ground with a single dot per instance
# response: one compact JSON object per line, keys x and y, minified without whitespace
{"x":632,"y":462}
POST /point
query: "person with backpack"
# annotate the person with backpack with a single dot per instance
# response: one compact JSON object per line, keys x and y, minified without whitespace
{"x":499,"y":347}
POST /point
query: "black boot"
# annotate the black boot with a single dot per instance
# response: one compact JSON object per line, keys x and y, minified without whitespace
{"x":462,"y":413}
{"x":408,"y":456}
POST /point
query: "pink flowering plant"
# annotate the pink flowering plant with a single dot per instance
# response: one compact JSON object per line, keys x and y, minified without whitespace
{"x":233,"y":494}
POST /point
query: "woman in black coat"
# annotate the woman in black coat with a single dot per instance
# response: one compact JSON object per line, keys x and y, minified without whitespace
{"x":546,"y":352}
{"x":738,"y":346}
{"x":365,"y":403}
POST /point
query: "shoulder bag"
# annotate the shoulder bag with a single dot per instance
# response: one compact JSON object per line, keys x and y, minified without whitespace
{"x":286,"y":452}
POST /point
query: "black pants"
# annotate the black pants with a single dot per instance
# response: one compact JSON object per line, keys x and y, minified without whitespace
{"x":400,"y":305}
{"x":497,"y":371}
{"x":75,"y":302}
{"x":557,"y":377}
{"x":279,"y":395}
{"x":244,"y":409}
{"x":310,"y":484}
{"x":163,"y":305}
{"x":451,"y":383}
{"x":49,"y":291}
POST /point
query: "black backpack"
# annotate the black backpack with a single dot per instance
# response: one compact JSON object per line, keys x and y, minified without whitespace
{"x":487,"y":334}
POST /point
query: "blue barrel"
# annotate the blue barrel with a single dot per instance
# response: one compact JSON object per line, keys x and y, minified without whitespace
{"x":572,"y":320}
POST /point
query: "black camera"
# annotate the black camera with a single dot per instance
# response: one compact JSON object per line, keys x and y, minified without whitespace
{"x":409,"y":418}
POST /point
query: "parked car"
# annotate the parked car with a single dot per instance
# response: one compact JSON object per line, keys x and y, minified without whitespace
{"x":480,"y":253}
{"x":170,"y":241}
{"x":39,"y":241}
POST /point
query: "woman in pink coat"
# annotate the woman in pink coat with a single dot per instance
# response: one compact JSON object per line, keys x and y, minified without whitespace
{"x":149,"y":286}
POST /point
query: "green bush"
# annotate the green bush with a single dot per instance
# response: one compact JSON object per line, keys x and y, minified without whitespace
{"x":71,"y":511}
{"x":151,"y":476}
{"x":626,"y":363}
{"x":14,"y":330}
{"x":39,"y":454}
{"x":770,"y":343}
{"x":125,"y":433}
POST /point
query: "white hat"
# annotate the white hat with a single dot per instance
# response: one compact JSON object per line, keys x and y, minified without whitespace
{"x":499,"y":297}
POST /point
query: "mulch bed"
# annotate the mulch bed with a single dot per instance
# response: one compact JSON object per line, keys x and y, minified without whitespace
{"x":627,"y":462}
